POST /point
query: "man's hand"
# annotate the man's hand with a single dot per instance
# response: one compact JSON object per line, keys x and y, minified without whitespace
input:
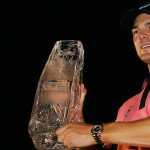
{"x":75,"y":135}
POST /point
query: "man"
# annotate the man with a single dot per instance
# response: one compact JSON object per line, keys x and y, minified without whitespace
{"x":131,"y":130}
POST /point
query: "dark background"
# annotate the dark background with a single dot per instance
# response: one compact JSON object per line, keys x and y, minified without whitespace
{"x":29,"y":30}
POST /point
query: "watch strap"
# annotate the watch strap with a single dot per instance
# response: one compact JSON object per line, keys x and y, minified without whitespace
{"x":96,"y":133}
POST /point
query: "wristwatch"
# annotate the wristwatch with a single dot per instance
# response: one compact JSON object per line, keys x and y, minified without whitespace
{"x":96,"y":131}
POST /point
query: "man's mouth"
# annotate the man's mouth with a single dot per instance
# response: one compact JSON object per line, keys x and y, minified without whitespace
{"x":144,"y":46}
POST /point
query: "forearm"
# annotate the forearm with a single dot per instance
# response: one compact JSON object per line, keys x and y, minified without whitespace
{"x":133,"y":133}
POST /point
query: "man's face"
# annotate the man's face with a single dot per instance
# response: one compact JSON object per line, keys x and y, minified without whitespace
{"x":141,"y":37}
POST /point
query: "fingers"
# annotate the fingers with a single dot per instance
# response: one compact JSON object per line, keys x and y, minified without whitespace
{"x":64,"y":136}
{"x":83,"y":89}
{"x":67,"y":142}
{"x":83,"y":93}
{"x":67,"y":139}
{"x":107,"y":145}
{"x":82,"y":98}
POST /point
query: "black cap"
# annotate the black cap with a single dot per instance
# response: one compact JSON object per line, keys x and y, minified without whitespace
{"x":129,"y":16}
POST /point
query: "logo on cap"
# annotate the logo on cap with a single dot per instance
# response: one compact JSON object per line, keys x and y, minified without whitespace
{"x":144,"y":6}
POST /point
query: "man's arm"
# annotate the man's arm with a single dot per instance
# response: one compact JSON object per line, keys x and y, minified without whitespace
{"x":132,"y":133}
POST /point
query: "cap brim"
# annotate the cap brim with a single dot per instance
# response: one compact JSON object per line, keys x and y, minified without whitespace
{"x":128,"y":18}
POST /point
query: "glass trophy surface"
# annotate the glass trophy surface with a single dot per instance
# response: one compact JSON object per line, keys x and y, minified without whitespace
{"x":57,"y":98}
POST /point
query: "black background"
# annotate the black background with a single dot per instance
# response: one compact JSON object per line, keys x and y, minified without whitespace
{"x":29,"y":30}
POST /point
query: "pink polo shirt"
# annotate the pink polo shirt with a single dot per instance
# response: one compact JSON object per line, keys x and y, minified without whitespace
{"x":130,"y":111}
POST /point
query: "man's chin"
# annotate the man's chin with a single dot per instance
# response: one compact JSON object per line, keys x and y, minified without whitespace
{"x":146,"y":61}
{"x":145,"y":58}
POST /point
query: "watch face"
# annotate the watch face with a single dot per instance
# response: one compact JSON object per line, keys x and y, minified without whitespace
{"x":97,"y":128}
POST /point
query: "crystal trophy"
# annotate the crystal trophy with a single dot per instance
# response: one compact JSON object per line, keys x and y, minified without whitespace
{"x":57,"y":98}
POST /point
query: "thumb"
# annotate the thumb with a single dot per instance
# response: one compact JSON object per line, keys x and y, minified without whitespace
{"x":61,"y":130}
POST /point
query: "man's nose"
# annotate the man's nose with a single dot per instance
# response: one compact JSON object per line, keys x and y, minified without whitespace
{"x":143,"y":35}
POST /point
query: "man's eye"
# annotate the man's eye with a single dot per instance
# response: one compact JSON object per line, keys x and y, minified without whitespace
{"x":135,"y":32}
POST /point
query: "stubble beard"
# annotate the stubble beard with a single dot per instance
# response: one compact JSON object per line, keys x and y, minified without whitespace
{"x":145,"y":60}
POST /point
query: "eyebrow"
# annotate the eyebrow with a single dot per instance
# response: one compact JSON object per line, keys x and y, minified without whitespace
{"x":135,"y":26}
